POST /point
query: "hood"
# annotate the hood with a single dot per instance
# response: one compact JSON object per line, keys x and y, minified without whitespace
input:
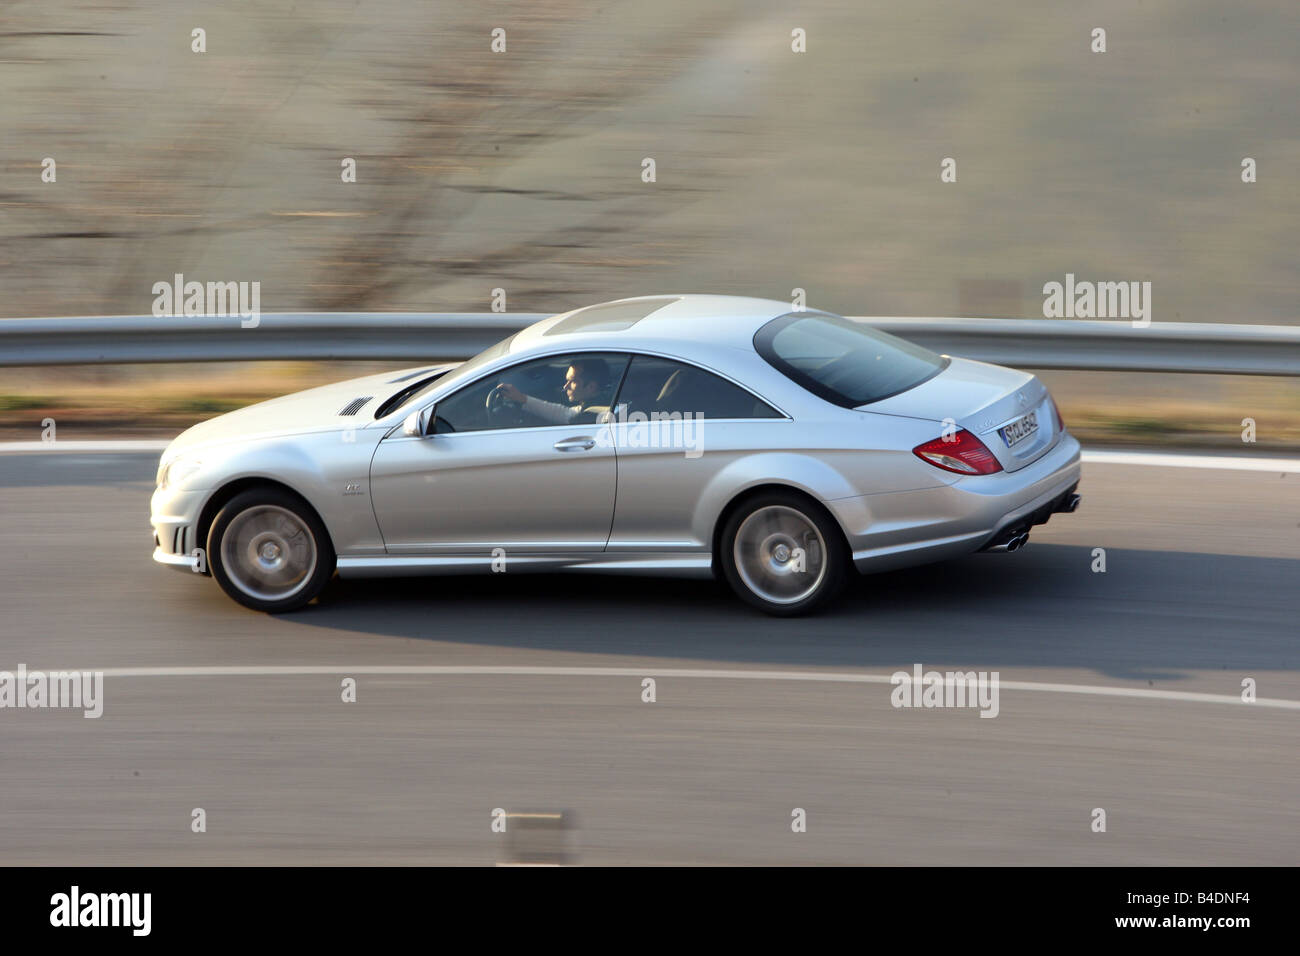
{"x":342,"y":405}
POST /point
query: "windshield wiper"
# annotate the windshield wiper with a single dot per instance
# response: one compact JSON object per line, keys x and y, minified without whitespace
{"x":407,"y":393}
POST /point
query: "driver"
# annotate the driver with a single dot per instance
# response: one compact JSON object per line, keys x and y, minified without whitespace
{"x":585,"y":383}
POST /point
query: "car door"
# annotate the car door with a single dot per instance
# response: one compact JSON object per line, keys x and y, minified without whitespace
{"x":508,"y":478}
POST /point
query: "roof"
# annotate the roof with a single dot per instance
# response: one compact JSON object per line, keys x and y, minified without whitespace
{"x":726,"y":320}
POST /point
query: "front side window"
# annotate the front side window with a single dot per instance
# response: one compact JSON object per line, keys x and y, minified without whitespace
{"x":657,"y":386}
{"x":573,"y":389}
{"x":847,"y":363}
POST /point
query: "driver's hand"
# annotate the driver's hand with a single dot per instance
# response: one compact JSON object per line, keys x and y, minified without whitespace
{"x":512,"y":393}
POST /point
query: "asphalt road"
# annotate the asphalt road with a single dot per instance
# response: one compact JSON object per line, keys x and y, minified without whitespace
{"x":754,"y":717}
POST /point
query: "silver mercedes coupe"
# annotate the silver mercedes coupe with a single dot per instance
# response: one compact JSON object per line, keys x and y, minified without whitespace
{"x":685,"y":435}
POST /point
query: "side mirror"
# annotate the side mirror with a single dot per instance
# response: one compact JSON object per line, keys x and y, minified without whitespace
{"x":416,"y":424}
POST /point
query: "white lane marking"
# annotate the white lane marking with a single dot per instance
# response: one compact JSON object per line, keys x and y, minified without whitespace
{"x":144,"y":444}
{"x":1162,"y":460}
{"x":420,"y":670}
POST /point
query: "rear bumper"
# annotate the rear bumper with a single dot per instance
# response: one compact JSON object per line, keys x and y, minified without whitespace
{"x":1064,"y":503}
{"x":907,"y":528}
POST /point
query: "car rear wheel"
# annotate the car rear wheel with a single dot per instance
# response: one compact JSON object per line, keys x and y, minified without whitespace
{"x":783,"y":554}
{"x":269,"y":551}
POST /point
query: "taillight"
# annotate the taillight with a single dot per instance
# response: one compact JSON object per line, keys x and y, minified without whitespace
{"x":1060,"y":422}
{"x":962,"y":453}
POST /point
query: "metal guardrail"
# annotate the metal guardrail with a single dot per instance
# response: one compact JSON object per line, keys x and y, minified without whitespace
{"x":1110,"y":346}
{"x":418,"y":337}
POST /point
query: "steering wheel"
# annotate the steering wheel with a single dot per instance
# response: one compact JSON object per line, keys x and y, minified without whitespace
{"x":500,"y":408}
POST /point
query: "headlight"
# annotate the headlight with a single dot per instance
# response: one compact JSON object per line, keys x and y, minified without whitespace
{"x":174,"y":473}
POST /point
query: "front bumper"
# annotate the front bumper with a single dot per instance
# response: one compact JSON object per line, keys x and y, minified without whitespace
{"x":174,"y":516}
{"x":181,"y":562}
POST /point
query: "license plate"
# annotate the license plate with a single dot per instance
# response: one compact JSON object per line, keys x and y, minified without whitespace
{"x":1020,"y":429}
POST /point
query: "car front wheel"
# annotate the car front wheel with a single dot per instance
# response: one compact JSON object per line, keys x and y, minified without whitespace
{"x":269,"y":551}
{"x":783,"y":554}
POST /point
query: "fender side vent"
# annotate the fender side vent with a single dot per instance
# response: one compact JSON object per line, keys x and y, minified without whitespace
{"x":354,"y":406}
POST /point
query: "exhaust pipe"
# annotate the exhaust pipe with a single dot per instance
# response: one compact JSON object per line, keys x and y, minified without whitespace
{"x":1012,"y":540}
{"x":1069,"y":504}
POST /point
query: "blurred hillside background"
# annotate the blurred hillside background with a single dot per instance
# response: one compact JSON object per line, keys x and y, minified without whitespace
{"x":775,"y":170}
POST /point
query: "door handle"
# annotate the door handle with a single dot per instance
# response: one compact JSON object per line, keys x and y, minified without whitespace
{"x":582,"y":443}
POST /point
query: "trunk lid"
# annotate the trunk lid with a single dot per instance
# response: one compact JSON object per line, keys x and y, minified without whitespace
{"x":984,"y":399}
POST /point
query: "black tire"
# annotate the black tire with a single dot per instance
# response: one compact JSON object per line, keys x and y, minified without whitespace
{"x":269,"y":551}
{"x":758,"y":558}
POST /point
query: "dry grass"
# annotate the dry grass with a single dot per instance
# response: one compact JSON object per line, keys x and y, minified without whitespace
{"x":130,"y":401}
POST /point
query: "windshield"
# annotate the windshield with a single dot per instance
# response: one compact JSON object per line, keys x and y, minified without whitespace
{"x":848,"y":363}
{"x":460,"y":372}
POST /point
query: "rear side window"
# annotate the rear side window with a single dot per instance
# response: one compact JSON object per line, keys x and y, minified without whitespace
{"x":845,"y":362}
{"x":656,"y":385}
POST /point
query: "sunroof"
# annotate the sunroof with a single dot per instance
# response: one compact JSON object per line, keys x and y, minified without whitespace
{"x":611,"y":316}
